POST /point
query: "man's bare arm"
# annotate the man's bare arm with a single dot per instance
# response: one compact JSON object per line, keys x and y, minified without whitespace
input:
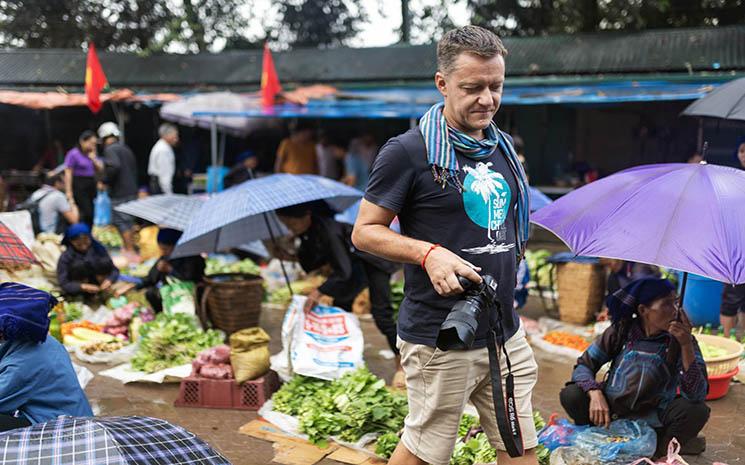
{"x":372,"y":234}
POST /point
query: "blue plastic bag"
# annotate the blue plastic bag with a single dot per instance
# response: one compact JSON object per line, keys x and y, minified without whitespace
{"x":623,"y":442}
{"x":102,"y":209}
{"x":558,"y":432}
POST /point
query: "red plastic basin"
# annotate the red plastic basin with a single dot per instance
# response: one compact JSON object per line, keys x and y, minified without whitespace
{"x":719,"y":385}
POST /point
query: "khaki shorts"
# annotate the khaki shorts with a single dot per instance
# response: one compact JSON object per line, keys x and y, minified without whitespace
{"x":440,"y":384}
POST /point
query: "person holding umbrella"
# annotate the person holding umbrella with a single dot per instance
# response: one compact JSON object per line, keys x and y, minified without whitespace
{"x":733,"y":297}
{"x":38,"y":382}
{"x":185,"y":269}
{"x":653,"y":355}
{"x":325,"y":241}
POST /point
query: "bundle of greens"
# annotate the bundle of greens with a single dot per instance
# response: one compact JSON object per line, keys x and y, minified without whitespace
{"x":219,"y":266}
{"x":171,"y":340}
{"x":397,"y":296}
{"x":356,"y":404}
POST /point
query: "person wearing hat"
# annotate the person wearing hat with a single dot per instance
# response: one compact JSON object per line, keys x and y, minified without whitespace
{"x":653,"y":356}
{"x":184,"y":269}
{"x":85,"y":267}
{"x":120,"y":175}
{"x":37,"y":380}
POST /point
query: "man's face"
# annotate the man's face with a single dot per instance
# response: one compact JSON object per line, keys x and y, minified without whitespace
{"x":472,"y":91}
{"x":171,"y":138}
{"x":741,"y":154}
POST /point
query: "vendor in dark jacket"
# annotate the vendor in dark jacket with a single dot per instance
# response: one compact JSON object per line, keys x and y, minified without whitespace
{"x":325,"y":241}
{"x":183,"y":269}
{"x":85,"y":267}
{"x":653,"y":356}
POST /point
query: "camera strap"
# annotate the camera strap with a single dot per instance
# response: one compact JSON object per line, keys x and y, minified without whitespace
{"x":505,"y":407}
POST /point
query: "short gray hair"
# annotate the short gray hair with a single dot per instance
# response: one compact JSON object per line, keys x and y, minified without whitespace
{"x":166,"y":128}
{"x":467,"y":39}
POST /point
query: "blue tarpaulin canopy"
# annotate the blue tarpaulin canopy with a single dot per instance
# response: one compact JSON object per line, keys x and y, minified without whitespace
{"x":413,"y":102}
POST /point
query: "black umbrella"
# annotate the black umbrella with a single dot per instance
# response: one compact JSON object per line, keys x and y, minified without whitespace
{"x":726,"y":101}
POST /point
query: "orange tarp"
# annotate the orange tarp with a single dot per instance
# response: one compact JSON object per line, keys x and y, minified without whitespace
{"x":51,"y":100}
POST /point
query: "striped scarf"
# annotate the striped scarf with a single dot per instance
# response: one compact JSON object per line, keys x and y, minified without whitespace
{"x":442,"y":141}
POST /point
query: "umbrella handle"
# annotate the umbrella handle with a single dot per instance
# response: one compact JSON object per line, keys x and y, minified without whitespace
{"x":682,"y":295}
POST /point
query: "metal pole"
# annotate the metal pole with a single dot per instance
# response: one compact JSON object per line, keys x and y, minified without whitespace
{"x":213,"y":140}
{"x":700,"y":140}
{"x":412,"y":123}
{"x":405,"y":22}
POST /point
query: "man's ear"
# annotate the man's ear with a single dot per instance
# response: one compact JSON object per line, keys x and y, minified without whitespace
{"x":440,"y":83}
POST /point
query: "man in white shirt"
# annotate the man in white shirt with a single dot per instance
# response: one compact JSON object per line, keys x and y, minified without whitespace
{"x":162,"y":164}
{"x":53,"y":203}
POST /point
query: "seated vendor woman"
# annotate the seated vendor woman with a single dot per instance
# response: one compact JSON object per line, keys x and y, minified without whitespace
{"x":184,"y":269}
{"x":37,"y":380}
{"x":653,"y":356}
{"x":85,"y":267}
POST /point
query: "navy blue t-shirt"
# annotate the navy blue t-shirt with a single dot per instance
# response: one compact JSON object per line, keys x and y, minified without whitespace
{"x":477,"y":224}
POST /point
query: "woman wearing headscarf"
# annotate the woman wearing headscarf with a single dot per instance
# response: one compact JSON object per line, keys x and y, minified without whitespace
{"x":733,"y":297}
{"x":85,"y":267}
{"x":653,"y":355}
{"x":37,"y":380}
{"x":184,"y":269}
{"x":81,"y":167}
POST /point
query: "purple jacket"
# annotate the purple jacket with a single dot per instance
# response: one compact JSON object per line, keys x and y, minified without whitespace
{"x":79,"y":163}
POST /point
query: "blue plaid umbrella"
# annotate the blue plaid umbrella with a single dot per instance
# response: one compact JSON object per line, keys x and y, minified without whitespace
{"x":106,"y":441}
{"x":245,"y":212}
{"x":169,"y":210}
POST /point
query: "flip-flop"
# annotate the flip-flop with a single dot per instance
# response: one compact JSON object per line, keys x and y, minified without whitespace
{"x":399,"y":380}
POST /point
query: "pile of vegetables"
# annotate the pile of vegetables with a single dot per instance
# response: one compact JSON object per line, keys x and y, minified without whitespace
{"x":709,"y":351}
{"x":171,"y":340}
{"x":356,"y":404}
{"x":281,"y":295}
{"x":397,"y":296}
{"x":124,"y":323}
{"x":540,"y":272}
{"x":108,"y":236}
{"x":217,"y":265}
{"x":565,"y":339}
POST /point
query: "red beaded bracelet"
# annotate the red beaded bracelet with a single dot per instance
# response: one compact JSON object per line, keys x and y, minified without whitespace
{"x":424,"y":260}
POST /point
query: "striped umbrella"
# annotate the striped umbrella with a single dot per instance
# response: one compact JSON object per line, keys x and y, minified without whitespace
{"x":106,"y":441}
{"x":13,"y":252}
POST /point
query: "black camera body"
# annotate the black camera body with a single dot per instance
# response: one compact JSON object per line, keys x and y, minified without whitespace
{"x":458,"y":331}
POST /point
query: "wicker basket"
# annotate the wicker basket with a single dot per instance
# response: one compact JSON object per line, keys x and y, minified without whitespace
{"x":232,"y":302}
{"x":581,"y":288}
{"x":716,"y":366}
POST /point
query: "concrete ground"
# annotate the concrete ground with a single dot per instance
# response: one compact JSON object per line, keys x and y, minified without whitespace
{"x":725,"y":431}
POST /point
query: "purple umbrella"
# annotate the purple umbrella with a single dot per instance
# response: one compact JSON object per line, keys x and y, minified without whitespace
{"x":689,"y":217}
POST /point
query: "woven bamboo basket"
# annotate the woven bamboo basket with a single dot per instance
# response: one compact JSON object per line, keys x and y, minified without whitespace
{"x":716,"y":366}
{"x":581,"y":288}
{"x":232,"y":302}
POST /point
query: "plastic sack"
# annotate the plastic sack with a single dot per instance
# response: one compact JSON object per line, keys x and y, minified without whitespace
{"x":325,"y":343}
{"x":623,"y":442}
{"x":558,"y":432}
{"x":249,"y":354}
{"x":102,"y":209}
{"x":178,"y":297}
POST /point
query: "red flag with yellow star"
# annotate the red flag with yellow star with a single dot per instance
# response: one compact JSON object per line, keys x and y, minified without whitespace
{"x":269,"y":80}
{"x":95,"y":80}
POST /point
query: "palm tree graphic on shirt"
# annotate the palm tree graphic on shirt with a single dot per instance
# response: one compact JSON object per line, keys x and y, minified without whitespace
{"x":492,"y":188}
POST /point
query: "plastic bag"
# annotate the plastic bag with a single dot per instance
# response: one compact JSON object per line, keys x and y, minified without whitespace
{"x":325,"y":343}
{"x":178,"y":297}
{"x":249,"y":353}
{"x":622,"y":442}
{"x":102,"y":209}
{"x":558,"y":432}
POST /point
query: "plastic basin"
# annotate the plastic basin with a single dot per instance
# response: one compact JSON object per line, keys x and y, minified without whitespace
{"x":702,"y":300}
{"x":719,"y":384}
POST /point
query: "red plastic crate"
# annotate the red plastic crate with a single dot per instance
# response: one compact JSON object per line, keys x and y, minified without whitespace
{"x":225,"y":393}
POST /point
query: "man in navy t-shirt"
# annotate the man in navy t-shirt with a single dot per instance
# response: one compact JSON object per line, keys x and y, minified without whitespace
{"x":460,"y":194}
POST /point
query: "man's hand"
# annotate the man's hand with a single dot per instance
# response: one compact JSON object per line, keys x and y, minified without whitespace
{"x":599,"y":410}
{"x":123,"y":290}
{"x":681,"y":330}
{"x":444,"y":267}
{"x":89,"y":288}
{"x":164,"y":267}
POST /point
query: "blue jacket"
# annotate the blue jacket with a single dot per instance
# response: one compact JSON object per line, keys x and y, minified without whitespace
{"x":38,"y":380}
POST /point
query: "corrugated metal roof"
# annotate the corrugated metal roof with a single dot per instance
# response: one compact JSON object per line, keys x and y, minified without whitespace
{"x":662,"y":51}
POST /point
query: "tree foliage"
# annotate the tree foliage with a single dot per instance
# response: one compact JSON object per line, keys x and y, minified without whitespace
{"x":319,"y":23}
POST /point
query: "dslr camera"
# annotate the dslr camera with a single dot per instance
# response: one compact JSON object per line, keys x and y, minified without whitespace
{"x":458,"y":330}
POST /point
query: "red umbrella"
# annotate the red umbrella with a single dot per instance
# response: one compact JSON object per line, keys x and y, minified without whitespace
{"x":13,"y":252}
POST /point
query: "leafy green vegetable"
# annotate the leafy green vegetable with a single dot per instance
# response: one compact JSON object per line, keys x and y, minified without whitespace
{"x":171,"y":340}
{"x":386,"y":444}
{"x":73,"y":311}
{"x":466,"y":423}
{"x":219,"y":266}
{"x":349,"y":407}
{"x":540,"y":272}
{"x":475,"y":450}
{"x":397,"y":296}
